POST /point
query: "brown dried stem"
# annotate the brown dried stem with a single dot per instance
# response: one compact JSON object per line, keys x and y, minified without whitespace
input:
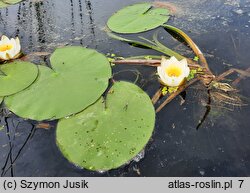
{"x":153,"y":63}
{"x":236,"y":81}
{"x":138,"y":62}
{"x":243,"y":73}
{"x":174,"y":94}
{"x":156,"y":96}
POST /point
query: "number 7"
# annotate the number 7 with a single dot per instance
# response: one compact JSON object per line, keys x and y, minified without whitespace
{"x":241,"y":182}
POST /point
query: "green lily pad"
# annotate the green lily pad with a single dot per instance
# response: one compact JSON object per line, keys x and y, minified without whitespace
{"x":138,"y":18}
{"x":78,"y":77}
{"x":6,"y":3}
{"x":16,"y":76}
{"x":109,"y":133}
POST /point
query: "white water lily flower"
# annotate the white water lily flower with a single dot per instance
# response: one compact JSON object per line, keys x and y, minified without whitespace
{"x":173,"y":72}
{"x":9,"y":48}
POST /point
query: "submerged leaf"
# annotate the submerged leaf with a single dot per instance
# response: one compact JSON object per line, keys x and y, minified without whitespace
{"x":16,"y":76}
{"x":164,"y":50}
{"x":109,"y":133}
{"x":78,"y":77}
{"x":138,"y":18}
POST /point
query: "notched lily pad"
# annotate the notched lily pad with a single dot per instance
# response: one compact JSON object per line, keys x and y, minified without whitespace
{"x":16,"y":76}
{"x":109,"y":133}
{"x":78,"y":77}
{"x":6,"y":3}
{"x":138,"y":18}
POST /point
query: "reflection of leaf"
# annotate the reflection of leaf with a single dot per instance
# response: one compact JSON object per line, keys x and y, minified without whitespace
{"x":16,"y":76}
{"x":78,"y":77}
{"x":109,"y":133}
{"x":6,"y":3}
{"x":138,"y":18}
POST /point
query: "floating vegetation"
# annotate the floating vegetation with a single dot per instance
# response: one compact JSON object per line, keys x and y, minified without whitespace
{"x":16,"y":76}
{"x":76,"y":79}
{"x":109,"y":133}
{"x":168,"y":90}
{"x":138,"y":18}
{"x":6,"y":3}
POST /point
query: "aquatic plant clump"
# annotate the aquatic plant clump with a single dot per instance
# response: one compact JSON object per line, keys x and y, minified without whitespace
{"x":78,"y":77}
{"x":109,"y":133}
{"x":199,"y":68}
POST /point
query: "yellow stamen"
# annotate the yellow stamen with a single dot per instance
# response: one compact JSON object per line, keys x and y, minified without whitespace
{"x":173,"y":70}
{"x":5,"y":47}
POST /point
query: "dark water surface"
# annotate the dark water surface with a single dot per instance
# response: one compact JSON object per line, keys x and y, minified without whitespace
{"x":220,"y":147}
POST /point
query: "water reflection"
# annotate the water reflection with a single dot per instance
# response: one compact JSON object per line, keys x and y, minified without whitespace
{"x":91,"y":20}
{"x":43,"y":23}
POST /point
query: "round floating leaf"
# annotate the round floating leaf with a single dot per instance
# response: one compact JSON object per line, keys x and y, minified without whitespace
{"x":138,"y":18}
{"x":16,"y":76}
{"x":78,"y":77}
{"x":6,"y":3}
{"x":109,"y":133}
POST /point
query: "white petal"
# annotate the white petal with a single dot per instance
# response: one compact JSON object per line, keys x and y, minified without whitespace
{"x":176,"y":81}
{"x":161,"y":73}
{"x":165,"y":79}
{"x":13,"y":42}
{"x":164,"y":62}
{"x":5,"y":39}
{"x":185,"y":68}
{"x":18,"y":45}
{"x":11,"y":53}
{"x":184,"y":62}
{"x":186,"y":72}
{"x":17,"y":41}
{"x":3,"y":55}
{"x":172,"y":82}
{"x":173,"y":60}
{"x":14,"y":51}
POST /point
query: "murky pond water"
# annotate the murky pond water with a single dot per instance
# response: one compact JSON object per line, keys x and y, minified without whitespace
{"x":220,"y":147}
